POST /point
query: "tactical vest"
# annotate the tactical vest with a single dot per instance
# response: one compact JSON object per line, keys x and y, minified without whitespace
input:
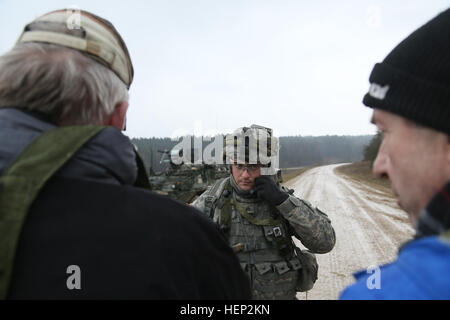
{"x":257,"y":234}
{"x":21,"y":183}
{"x":264,"y":242}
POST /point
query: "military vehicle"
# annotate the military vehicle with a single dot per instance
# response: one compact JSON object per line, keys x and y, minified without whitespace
{"x":185,"y":182}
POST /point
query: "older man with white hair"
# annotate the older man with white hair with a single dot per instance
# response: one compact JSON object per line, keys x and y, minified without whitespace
{"x":75,"y":218}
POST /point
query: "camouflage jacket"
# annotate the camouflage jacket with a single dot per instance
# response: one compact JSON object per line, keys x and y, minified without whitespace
{"x":260,"y":235}
{"x":310,"y":225}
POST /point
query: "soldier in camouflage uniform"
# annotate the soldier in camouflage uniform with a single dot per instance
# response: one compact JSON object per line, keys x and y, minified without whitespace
{"x":259,"y":218}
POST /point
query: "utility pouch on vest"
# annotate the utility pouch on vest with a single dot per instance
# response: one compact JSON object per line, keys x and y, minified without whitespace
{"x":273,"y":232}
{"x":295,"y":264}
{"x":277,"y":235}
{"x":307,"y":274}
{"x":263,"y":267}
{"x":281,"y":267}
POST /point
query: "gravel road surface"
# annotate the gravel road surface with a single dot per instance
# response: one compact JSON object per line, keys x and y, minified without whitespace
{"x":368,"y":223}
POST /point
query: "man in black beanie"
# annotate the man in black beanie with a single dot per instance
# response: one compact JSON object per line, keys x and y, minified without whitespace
{"x":410,"y":96}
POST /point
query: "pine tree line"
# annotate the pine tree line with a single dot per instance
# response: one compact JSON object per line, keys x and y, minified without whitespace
{"x":295,"y":151}
{"x":371,"y":150}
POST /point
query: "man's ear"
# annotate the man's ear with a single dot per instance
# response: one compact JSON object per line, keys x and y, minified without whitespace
{"x":118,"y":117}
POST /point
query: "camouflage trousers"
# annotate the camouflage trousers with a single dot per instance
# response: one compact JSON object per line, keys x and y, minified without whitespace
{"x":270,"y":285}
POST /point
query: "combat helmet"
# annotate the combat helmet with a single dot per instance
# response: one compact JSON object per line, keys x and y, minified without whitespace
{"x":251,"y":145}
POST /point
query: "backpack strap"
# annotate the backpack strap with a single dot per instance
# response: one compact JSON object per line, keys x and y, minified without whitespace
{"x":213,"y":195}
{"x":23,"y":180}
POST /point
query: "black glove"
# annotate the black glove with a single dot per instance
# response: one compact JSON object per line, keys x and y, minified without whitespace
{"x":267,"y":189}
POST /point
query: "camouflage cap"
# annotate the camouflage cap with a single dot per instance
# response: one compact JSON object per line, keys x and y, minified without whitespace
{"x":252,"y":145}
{"x":90,"y":34}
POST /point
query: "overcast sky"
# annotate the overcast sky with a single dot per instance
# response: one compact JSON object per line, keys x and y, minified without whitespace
{"x":210,"y":66}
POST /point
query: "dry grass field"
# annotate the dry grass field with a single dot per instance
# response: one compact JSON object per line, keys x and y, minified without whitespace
{"x":362,"y":172}
{"x":290,"y":173}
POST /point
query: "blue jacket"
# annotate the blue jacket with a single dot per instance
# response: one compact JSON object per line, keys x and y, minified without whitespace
{"x":422,"y":268}
{"x":421,"y":271}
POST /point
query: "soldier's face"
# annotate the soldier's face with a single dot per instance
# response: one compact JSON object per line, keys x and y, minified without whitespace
{"x":416,"y":160}
{"x":245,"y":175}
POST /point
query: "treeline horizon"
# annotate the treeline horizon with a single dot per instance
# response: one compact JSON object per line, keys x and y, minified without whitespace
{"x":295,"y":151}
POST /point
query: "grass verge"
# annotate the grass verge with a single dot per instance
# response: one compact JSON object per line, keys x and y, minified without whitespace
{"x":290,"y":173}
{"x":362,"y":172}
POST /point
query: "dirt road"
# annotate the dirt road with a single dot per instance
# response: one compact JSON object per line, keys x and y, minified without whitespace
{"x":369,"y":227}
